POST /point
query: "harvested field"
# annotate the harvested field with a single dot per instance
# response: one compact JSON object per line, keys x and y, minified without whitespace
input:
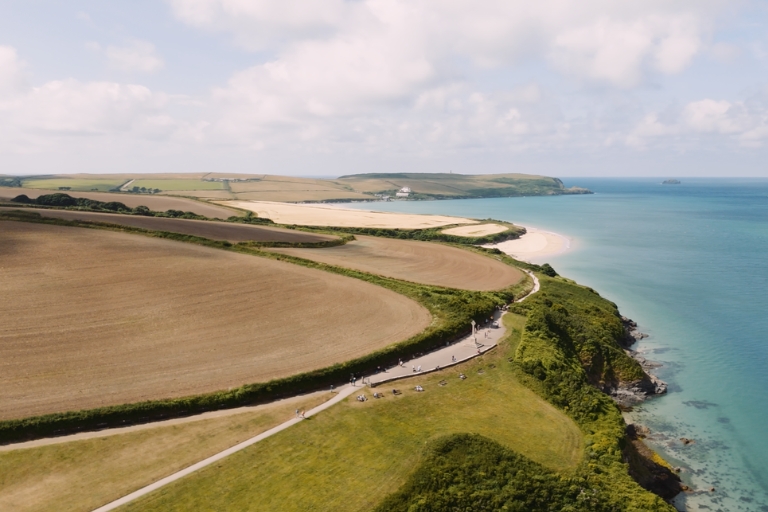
{"x":153,"y":202}
{"x":476,"y":230}
{"x":205,"y":195}
{"x":421,"y":262}
{"x":176,"y":185}
{"x":297,"y":196}
{"x":325,"y":215}
{"x":206,"y":229}
{"x":94,"y":318}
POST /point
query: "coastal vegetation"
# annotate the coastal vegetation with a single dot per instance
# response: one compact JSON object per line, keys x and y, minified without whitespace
{"x":437,"y":234}
{"x":569,"y":346}
{"x":563,"y":351}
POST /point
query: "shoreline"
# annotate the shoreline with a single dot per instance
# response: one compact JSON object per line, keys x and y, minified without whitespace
{"x":535,"y":245}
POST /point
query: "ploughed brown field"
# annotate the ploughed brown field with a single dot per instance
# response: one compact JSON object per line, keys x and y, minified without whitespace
{"x":94,"y":318}
{"x":203,"y":228}
{"x":420,"y":262}
{"x":153,"y":202}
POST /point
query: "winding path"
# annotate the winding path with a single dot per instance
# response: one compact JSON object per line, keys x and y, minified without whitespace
{"x":467,"y":348}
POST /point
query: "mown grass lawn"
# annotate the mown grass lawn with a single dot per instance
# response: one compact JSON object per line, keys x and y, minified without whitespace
{"x":351,"y":456}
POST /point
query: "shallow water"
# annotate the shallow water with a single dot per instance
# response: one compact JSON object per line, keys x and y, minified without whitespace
{"x":689,"y":263}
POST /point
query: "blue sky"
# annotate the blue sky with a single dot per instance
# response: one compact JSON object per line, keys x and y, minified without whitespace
{"x":562,"y":88}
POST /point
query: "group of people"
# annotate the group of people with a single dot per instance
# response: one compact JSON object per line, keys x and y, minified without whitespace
{"x":361,"y":398}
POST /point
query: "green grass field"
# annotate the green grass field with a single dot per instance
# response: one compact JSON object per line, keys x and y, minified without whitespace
{"x":86,"y":474}
{"x":102,"y":185}
{"x":174,"y":185}
{"x":351,"y":456}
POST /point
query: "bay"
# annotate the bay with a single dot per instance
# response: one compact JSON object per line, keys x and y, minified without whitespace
{"x":689,"y":263}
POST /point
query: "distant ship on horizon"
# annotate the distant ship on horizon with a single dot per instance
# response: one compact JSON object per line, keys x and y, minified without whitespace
{"x":671,"y":182}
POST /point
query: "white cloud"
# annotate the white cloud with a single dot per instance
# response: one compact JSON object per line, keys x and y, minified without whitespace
{"x":744,"y":123}
{"x":137,"y":56}
{"x":11,"y":76}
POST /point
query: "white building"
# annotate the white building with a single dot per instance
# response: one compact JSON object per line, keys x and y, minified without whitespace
{"x":403,"y":192}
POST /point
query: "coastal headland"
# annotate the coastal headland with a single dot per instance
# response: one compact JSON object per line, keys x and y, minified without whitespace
{"x":298,"y":319}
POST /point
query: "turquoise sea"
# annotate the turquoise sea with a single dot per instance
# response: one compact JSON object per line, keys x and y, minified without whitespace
{"x":689,"y":263}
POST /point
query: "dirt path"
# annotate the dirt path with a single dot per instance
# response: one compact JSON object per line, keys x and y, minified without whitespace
{"x":467,"y":348}
{"x":470,"y":346}
{"x":341,"y":394}
{"x":124,"y":188}
{"x":536,"y":286}
{"x":157,"y":424}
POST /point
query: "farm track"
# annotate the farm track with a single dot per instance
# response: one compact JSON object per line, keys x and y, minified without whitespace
{"x":95,"y":318}
{"x":420,"y":262}
{"x":207,"y":229}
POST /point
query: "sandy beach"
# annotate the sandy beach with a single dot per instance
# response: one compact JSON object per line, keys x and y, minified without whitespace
{"x":476,"y":230}
{"x":535,"y":246}
{"x":333,"y":215}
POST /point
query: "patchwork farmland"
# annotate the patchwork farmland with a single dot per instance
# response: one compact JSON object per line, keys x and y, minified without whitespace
{"x":207,"y":229}
{"x":95,"y":318}
{"x":420,"y":262}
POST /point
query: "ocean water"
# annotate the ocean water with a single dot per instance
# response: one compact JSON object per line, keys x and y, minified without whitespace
{"x":689,"y":263}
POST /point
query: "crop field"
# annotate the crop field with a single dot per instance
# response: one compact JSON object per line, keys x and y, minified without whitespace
{"x":325,"y":215}
{"x":80,"y":184}
{"x":178,"y":184}
{"x":205,"y":195}
{"x":206,"y":229}
{"x":349,"y":457}
{"x":94,"y":318}
{"x":55,"y":477}
{"x":153,"y":202}
{"x":420,"y":262}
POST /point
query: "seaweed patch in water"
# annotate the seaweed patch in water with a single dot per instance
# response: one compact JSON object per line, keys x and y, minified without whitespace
{"x":700,"y":404}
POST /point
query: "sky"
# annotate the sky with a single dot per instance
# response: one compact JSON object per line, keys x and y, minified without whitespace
{"x":562,"y":88}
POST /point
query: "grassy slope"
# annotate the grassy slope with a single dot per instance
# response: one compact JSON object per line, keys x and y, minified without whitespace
{"x":569,"y":329}
{"x":351,"y":456}
{"x":441,"y":185}
{"x":85,"y":474}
